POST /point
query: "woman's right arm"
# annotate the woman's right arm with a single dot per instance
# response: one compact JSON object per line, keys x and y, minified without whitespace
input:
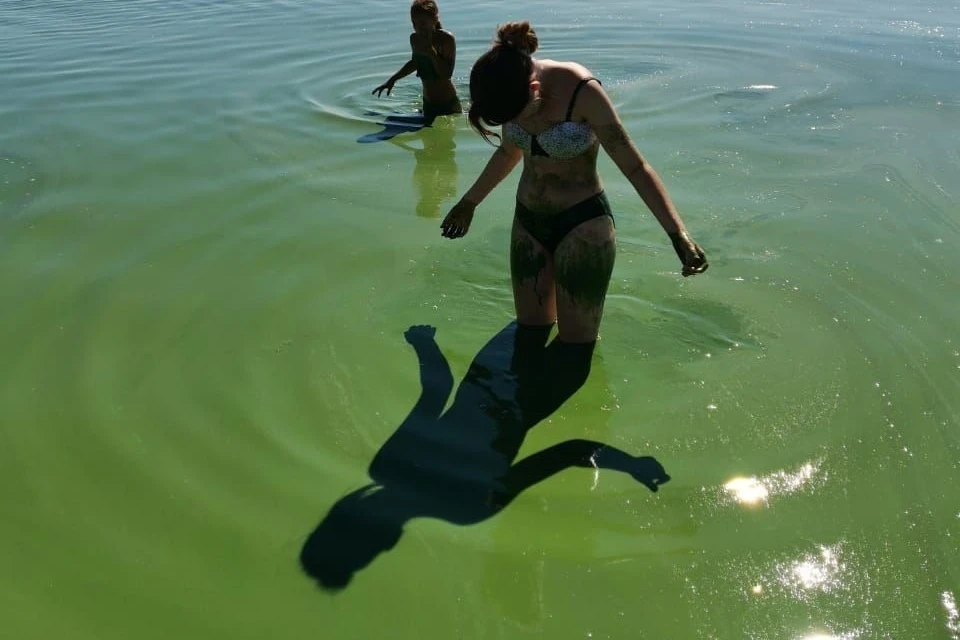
{"x":499,"y":166}
{"x":405,"y":70}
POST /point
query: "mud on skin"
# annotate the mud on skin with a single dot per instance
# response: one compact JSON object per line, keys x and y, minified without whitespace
{"x":526,"y":262}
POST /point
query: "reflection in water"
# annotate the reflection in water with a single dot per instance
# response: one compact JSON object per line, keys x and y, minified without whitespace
{"x":435,"y":172}
{"x":751,"y":92}
{"x":747,"y":491}
{"x":953,"y":614}
{"x":814,"y":572}
{"x":458,"y":464}
{"x":821,"y":572}
{"x":521,"y":607}
{"x":753,"y":492}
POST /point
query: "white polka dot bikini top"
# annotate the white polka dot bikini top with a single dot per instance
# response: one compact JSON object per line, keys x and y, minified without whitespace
{"x":561,"y":141}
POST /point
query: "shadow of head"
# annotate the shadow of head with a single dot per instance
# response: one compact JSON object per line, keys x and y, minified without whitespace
{"x":357,"y":529}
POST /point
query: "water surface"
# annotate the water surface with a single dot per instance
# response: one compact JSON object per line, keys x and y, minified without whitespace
{"x":206,"y":281}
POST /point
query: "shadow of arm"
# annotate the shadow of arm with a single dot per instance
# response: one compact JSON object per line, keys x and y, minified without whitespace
{"x":578,"y":453}
{"x":436,"y":380}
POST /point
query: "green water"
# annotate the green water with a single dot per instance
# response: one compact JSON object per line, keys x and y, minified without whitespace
{"x":205,"y":283}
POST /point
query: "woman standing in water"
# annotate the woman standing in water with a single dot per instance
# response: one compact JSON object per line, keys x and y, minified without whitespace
{"x":554,"y":116}
{"x":434,"y":55}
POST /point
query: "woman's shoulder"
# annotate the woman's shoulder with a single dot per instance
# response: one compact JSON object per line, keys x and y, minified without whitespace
{"x":577,"y":70}
{"x":446,"y":34}
{"x":565,"y":70}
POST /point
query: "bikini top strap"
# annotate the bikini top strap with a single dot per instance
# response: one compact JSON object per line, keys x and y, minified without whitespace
{"x":573,"y":98}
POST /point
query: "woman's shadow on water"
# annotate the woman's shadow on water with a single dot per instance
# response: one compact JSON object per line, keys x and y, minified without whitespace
{"x":458,"y":465}
{"x":394,"y":125}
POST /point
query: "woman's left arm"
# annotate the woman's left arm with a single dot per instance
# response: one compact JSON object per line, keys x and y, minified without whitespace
{"x":600,"y":113}
{"x":444,"y":54}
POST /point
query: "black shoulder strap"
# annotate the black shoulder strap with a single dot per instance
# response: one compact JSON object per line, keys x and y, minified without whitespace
{"x":573,"y":98}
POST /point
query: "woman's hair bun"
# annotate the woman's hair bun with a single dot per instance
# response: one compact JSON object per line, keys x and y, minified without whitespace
{"x":519,"y":36}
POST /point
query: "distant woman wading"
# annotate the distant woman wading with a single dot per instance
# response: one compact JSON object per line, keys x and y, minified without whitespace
{"x":434,"y":55}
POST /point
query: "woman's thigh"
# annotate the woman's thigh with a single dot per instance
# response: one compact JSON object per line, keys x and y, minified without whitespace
{"x":532,"y":273}
{"x":583,"y":264}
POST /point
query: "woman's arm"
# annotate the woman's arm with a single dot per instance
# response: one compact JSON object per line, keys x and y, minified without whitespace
{"x":409,"y":67}
{"x":501,"y":163}
{"x":603,"y":118}
{"x":441,"y":49}
{"x":600,"y":113}
{"x":446,"y":56}
{"x":405,"y":70}
{"x":498,"y":167}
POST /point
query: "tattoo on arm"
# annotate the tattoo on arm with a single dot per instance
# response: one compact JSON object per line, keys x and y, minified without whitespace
{"x":620,"y":148}
{"x":614,"y":136}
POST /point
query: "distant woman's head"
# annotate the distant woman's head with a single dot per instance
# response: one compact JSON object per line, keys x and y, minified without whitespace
{"x":502,"y":80}
{"x":425,"y":15}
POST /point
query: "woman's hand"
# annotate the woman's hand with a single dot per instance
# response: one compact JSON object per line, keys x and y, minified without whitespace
{"x":690,"y":254}
{"x":388,"y":86}
{"x":424,"y":43}
{"x":457,"y":222}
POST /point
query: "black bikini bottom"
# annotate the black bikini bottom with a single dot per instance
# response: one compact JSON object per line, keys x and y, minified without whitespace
{"x":550,"y":229}
{"x":433,"y":110}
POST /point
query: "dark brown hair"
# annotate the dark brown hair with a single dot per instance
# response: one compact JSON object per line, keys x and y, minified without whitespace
{"x":427,"y":8}
{"x":500,"y":78}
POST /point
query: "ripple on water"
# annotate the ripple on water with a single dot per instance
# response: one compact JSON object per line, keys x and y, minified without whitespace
{"x":200,"y":382}
{"x":912,"y":196}
{"x":20,"y":183}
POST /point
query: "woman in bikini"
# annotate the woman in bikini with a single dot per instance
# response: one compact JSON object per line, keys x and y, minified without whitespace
{"x":434,"y":54}
{"x":554,"y":116}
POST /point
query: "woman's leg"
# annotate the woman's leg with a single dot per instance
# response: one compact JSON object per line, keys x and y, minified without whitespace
{"x":583,"y":263}
{"x":531,"y":270}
